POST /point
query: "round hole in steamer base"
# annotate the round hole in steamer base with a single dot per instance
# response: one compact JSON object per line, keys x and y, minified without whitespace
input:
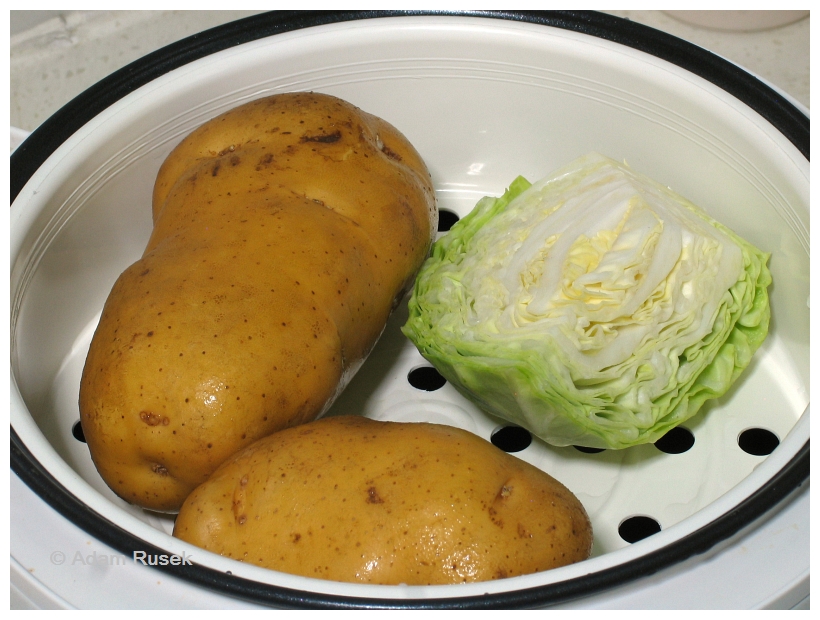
{"x":638,"y":527}
{"x":676,"y":441}
{"x":426,"y":378}
{"x":77,"y":431}
{"x":511,"y":438}
{"x":446,"y":219}
{"x":588,"y":450}
{"x":758,"y":441}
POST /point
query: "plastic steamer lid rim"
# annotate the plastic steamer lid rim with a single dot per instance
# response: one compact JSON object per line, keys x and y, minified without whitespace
{"x":25,"y":161}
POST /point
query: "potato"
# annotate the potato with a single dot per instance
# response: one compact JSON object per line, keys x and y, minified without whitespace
{"x":285,"y":231}
{"x":352,"y":499}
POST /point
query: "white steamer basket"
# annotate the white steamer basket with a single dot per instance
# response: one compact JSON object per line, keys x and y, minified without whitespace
{"x":483,"y":100}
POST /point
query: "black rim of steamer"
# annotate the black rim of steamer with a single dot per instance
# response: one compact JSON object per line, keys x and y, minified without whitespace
{"x":775,"y":108}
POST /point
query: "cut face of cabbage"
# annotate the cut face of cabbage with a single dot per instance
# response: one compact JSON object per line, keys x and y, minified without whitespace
{"x":595,"y":307}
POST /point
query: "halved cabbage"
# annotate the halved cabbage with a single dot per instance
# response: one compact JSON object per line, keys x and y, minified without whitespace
{"x":594,"y":308}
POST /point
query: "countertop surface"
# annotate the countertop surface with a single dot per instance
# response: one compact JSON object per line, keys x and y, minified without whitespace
{"x":55,"y":60}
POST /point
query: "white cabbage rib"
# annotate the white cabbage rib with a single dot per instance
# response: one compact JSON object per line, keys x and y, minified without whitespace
{"x":613,"y":267}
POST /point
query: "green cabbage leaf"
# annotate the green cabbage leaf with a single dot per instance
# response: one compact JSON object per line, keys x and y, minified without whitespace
{"x":594,"y":308}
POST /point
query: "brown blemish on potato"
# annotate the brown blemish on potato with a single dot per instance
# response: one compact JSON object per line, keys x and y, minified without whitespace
{"x":494,"y":517}
{"x":153,"y":419}
{"x":390,"y":153}
{"x":323,"y":138}
{"x":265,"y":161}
{"x":373,"y":496}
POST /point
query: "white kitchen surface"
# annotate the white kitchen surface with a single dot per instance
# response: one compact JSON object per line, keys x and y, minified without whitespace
{"x":55,"y":55}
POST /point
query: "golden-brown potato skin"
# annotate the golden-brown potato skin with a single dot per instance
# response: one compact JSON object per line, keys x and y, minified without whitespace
{"x":352,"y":499}
{"x":285,"y":231}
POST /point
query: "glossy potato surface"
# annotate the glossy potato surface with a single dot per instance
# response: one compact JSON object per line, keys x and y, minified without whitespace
{"x":285,"y":231}
{"x":357,"y":500}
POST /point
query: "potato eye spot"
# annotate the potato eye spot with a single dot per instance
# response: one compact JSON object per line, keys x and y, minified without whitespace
{"x":153,"y":419}
{"x":158,"y":469}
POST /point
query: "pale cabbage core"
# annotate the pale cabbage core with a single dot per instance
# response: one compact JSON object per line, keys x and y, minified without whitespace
{"x":620,"y":273}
